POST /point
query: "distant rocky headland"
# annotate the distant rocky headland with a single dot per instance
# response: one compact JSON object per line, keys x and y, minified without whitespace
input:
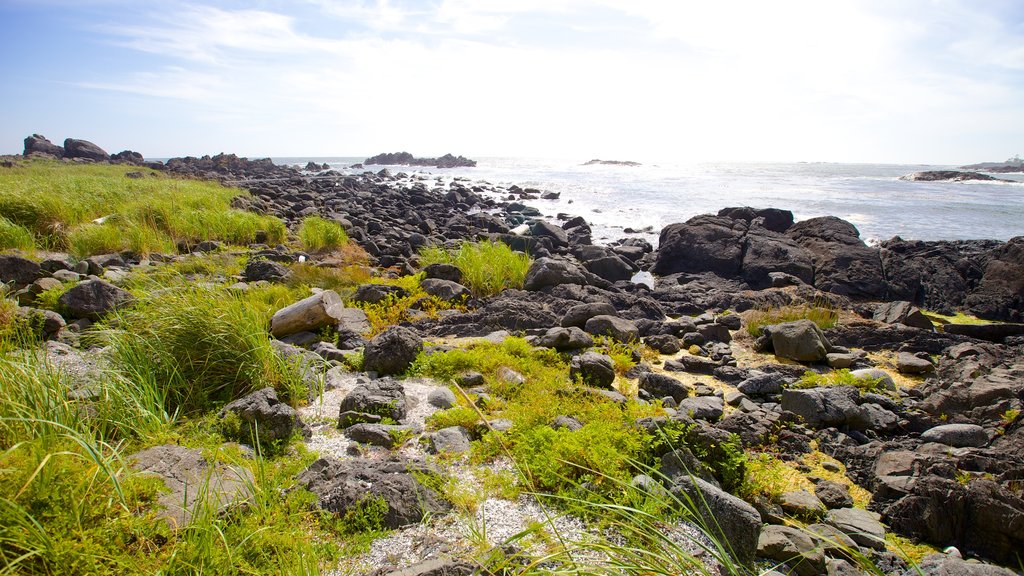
{"x":597,"y":162}
{"x":1015,"y":164}
{"x":407,"y":159}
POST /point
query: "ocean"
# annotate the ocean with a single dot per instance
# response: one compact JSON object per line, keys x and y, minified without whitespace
{"x":648,"y":197}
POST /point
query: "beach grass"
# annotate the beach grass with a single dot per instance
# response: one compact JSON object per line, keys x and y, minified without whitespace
{"x":89,"y":209}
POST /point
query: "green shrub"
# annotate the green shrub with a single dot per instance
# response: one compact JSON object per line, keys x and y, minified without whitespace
{"x":823,"y":316}
{"x":488,"y":267}
{"x":318,"y":233}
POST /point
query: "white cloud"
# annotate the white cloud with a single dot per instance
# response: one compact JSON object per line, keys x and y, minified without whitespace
{"x":796,"y":80}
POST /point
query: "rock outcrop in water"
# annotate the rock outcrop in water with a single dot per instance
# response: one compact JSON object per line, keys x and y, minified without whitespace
{"x":407,"y":159}
{"x":950,"y":176}
{"x":597,"y":162}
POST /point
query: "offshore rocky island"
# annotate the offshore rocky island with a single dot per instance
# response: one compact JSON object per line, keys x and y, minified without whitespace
{"x":781,"y":395}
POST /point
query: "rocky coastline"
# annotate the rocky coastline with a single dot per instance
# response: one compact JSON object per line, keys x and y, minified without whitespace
{"x":939,"y":449}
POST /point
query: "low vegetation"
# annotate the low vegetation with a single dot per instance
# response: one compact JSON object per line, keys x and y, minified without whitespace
{"x":316,"y":234}
{"x":95,"y":208}
{"x":488,"y":267}
{"x":823,"y":316}
{"x":841,"y":377}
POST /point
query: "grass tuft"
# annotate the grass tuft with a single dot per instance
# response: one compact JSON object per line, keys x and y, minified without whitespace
{"x":823,"y":316}
{"x":316,"y":233}
{"x":488,"y":267}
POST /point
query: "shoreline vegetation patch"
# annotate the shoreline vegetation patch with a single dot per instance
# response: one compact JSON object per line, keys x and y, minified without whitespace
{"x":91,"y":209}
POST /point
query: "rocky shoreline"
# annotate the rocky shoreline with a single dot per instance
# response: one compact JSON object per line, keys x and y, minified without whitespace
{"x":942,"y":459}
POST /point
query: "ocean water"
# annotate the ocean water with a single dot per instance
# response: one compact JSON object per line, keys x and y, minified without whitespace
{"x":648,"y":197}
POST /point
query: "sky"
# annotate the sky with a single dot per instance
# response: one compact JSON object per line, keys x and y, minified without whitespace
{"x":908,"y":81}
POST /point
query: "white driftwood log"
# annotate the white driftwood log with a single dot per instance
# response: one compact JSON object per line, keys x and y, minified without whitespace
{"x":309,"y":314}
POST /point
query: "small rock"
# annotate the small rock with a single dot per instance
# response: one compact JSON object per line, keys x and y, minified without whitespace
{"x":801,"y":504}
{"x":441,"y":397}
{"x":593,"y":369}
{"x":393,"y":351}
{"x":907,"y":363}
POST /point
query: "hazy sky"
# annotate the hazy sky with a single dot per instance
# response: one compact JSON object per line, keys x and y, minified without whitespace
{"x":854,"y":81}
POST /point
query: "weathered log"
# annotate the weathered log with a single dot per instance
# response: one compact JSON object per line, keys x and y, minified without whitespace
{"x":309,"y":314}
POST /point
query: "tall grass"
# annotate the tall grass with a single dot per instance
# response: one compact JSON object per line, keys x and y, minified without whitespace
{"x":14,"y":236}
{"x":201,"y":345}
{"x":58,"y":203}
{"x":316,"y":233}
{"x":488,"y":267}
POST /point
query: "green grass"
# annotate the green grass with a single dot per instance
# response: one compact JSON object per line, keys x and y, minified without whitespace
{"x":395,"y":310}
{"x":316,"y":234}
{"x":958,"y":318}
{"x":15,"y":236}
{"x":57,"y":204}
{"x":487,"y":267}
{"x":823,"y":316}
{"x":200,"y":345}
{"x":842,"y":377}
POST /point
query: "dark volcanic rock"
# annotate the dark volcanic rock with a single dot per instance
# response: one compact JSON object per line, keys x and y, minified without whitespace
{"x":93,"y":298}
{"x":84,"y":149}
{"x":902,"y":312}
{"x":259,"y":269}
{"x":393,"y":351}
{"x":17,"y":270}
{"x":702,"y":244}
{"x":384,"y":397}
{"x":1000,"y":294}
{"x":407,"y":159}
{"x":772,"y":219}
{"x":38,"y":144}
{"x":948,"y":176}
{"x":934,"y":275}
{"x":261,"y":412}
{"x":343,"y":487}
{"x":593,"y":369}
{"x":843,"y":264}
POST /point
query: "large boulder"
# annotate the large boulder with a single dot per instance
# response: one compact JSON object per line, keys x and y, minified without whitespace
{"x":822,"y":407}
{"x":800,"y":340}
{"x":18,"y":270}
{"x":1000,"y":295}
{"x":84,"y":149}
{"x":392,"y":351}
{"x":703,"y":243}
{"x":580,"y":313}
{"x":663,"y":385}
{"x":194,"y":484}
{"x":38,"y":144}
{"x":726,"y":518}
{"x":259,"y":269}
{"x":387,"y":487}
{"x":612,"y":326}
{"x":93,"y":298}
{"x":953,"y":565}
{"x":612,"y":268}
{"x":843,"y":263}
{"x":553,"y":272}
{"x":261,"y":416}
